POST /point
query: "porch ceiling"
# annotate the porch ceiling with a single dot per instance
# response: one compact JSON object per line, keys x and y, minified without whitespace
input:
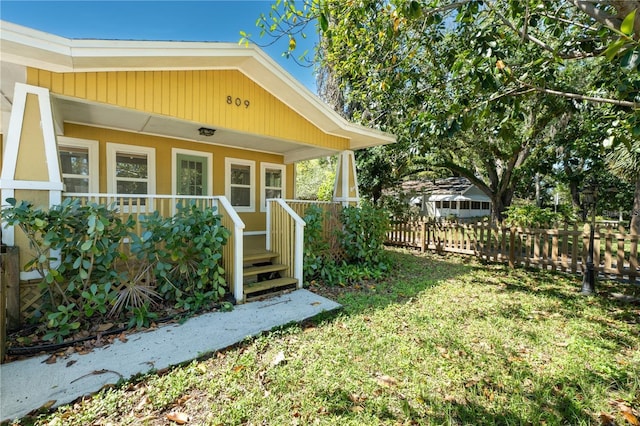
{"x":76,"y":111}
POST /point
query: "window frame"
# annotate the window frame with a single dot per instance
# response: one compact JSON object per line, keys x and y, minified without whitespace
{"x":263,"y":186}
{"x":174,"y":168}
{"x":113,"y":149}
{"x":228,"y":164}
{"x":92,"y":147}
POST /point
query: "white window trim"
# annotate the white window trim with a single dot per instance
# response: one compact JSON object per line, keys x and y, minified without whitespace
{"x":228,"y":162}
{"x":114,"y":148}
{"x":92,"y":147}
{"x":174,"y":167}
{"x":263,"y":187}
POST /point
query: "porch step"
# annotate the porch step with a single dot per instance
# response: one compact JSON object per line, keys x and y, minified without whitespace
{"x":258,"y":255}
{"x":263,"y":269}
{"x":268,"y":287}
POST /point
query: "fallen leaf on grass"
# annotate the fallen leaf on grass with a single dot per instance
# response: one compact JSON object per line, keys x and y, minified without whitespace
{"x":238,"y":368}
{"x":607,"y":419}
{"x":144,"y":401}
{"x":626,"y":411}
{"x":178,"y":417}
{"x":357,"y":399}
{"x":278,"y":359}
{"x":104,"y":327}
{"x":631,"y":418}
{"x":386,"y":381}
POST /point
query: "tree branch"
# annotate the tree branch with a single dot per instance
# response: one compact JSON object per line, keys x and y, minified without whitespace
{"x":626,"y":104}
{"x":598,"y":14}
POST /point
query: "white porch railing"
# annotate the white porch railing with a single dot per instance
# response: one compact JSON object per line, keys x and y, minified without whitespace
{"x":165,"y":205}
{"x":285,"y":235}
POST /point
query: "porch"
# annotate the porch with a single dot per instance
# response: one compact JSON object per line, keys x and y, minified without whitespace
{"x":256,"y":264}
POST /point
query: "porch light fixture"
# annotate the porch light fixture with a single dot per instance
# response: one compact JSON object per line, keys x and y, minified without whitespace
{"x":206,"y":132}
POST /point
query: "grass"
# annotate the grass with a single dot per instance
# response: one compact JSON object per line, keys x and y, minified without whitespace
{"x":446,"y":340}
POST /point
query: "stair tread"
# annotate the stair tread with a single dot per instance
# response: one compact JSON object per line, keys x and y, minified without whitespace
{"x":253,"y":270}
{"x":269,"y":284}
{"x":258,"y":254}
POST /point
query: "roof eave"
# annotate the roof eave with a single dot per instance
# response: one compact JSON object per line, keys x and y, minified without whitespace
{"x":38,"y":49}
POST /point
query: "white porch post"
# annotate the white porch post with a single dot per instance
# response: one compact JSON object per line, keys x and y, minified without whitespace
{"x":30,"y":161}
{"x":345,"y":188}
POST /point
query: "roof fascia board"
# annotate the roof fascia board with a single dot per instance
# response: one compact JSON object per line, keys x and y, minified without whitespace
{"x":43,"y":50}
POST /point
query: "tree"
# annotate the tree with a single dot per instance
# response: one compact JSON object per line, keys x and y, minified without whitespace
{"x":431,"y":72}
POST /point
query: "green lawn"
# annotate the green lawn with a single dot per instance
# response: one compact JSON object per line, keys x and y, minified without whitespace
{"x":446,"y":340}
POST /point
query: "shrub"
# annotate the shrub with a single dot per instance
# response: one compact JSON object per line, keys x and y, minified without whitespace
{"x":91,"y":277}
{"x":363,"y":234}
{"x":361,"y":237}
{"x":531,"y":216}
{"x":185,"y":251}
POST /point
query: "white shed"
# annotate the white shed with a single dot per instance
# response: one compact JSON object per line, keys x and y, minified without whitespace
{"x":454,"y":196}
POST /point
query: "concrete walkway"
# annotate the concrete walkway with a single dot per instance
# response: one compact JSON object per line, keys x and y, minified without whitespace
{"x":29,"y":384}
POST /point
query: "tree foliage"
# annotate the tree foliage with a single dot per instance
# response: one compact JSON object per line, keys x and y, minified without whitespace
{"x":475,"y":86}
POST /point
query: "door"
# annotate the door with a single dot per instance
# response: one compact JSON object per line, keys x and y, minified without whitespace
{"x":192,"y":175}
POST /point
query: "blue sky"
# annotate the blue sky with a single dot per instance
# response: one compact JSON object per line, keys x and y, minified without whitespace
{"x":213,"y":20}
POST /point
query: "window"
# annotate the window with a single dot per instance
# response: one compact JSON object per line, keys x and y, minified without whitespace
{"x":475,"y":205}
{"x":240,"y":184}
{"x":192,"y":171}
{"x":131,"y":169}
{"x":79,"y":163}
{"x":438,"y":204}
{"x":273,"y":177}
{"x":464,"y":205}
{"x":445,"y":204}
{"x":485,"y":205}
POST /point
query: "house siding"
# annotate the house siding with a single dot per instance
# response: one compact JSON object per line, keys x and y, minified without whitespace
{"x":203,"y":96}
{"x":253,"y":221}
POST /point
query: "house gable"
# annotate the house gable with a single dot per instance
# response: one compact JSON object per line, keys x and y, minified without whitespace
{"x":219,"y":98}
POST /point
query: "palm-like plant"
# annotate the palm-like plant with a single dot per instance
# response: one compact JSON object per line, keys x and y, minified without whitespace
{"x":624,"y":161}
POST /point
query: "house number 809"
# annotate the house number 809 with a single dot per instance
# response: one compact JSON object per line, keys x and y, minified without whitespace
{"x":238,"y":102}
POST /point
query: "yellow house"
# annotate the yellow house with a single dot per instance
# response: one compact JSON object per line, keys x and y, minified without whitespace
{"x":216,"y":122}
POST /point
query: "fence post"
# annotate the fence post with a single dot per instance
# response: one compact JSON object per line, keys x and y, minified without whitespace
{"x":9,"y":293}
{"x":423,"y":235}
{"x":512,"y":248}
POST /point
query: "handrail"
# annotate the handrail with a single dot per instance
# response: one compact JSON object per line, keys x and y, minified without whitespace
{"x":284,"y":247}
{"x":238,"y":244}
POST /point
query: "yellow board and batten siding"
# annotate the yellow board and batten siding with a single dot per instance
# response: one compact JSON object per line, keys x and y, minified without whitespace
{"x":163,"y":146}
{"x":223,"y":98}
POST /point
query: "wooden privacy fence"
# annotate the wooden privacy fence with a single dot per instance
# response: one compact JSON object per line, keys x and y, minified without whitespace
{"x":615,"y":252}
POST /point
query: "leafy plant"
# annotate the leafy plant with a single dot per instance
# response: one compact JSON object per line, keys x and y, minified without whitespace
{"x":360,"y":238}
{"x":185,"y":251}
{"x":531,"y":216}
{"x":363,"y":234}
{"x":62,"y":322}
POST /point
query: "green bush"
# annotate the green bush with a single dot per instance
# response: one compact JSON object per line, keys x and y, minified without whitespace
{"x":360,"y":238}
{"x":315,"y":246}
{"x":531,"y":216}
{"x":185,"y":251}
{"x":87,"y":277}
{"x":363,"y":234}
